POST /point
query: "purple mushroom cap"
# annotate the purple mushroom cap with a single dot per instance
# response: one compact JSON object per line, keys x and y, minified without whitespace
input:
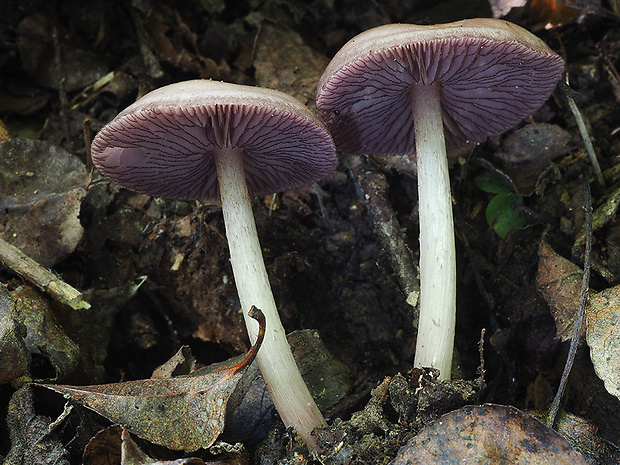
{"x":492,"y":75}
{"x":162,"y":144}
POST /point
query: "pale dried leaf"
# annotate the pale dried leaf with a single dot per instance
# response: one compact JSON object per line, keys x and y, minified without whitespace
{"x":603,"y":337}
{"x":559,"y":281}
{"x":502,"y":7}
{"x":181,"y":363}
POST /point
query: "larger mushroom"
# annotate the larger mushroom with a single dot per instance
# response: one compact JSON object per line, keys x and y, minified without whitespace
{"x":403,"y":89}
{"x":206,"y":139}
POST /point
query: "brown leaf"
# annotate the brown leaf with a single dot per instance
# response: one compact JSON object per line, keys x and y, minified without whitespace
{"x":183,"y":362}
{"x":250,"y":408}
{"x":183,"y":413}
{"x":603,"y":337}
{"x":285,"y":63}
{"x":14,"y":354}
{"x":104,"y":448}
{"x":45,"y":335}
{"x":41,"y":188}
{"x":586,"y":438}
{"x":131,"y":454}
{"x":526,"y":153}
{"x":490,"y":434}
{"x":559,"y":281}
{"x":31,"y":440}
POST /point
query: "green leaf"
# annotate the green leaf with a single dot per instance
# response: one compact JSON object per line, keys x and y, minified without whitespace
{"x":493,"y":182}
{"x":502,"y":217}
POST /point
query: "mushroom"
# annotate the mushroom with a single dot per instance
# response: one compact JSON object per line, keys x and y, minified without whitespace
{"x":403,"y":89}
{"x":203,"y":139}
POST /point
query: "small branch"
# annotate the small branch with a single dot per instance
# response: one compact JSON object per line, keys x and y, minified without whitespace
{"x":571,"y":97}
{"x":14,"y":259}
{"x":62,"y":92}
{"x":372,"y":187}
{"x":581,"y":310}
{"x":481,"y":370}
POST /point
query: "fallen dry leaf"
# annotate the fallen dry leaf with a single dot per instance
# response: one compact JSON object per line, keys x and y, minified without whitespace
{"x":502,"y":7}
{"x":284,"y":62}
{"x":526,"y":154}
{"x":181,"y":363}
{"x":14,"y":353}
{"x":131,"y":454}
{"x":41,"y":189}
{"x":31,"y":439}
{"x":490,"y":434}
{"x":559,"y":281}
{"x":183,"y":413}
{"x":104,"y":448}
{"x":44,"y":334}
{"x":603,"y":337}
{"x":584,"y":436}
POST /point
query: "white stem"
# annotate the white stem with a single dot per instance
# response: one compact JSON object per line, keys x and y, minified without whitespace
{"x":435,"y":341}
{"x":286,"y":387}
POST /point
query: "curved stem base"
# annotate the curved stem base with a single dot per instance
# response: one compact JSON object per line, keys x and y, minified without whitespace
{"x":286,"y":387}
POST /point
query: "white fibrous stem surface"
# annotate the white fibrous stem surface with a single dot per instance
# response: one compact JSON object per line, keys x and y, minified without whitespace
{"x":435,"y":340}
{"x":286,"y":387}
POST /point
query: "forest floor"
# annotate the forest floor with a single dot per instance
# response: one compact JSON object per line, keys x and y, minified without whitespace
{"x":157,"y":275}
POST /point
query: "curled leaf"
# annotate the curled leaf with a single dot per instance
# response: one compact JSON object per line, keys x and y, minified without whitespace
{"x":182,"y":413}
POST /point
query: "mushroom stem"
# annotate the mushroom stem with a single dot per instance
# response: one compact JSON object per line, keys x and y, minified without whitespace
{"x":286,"y":387}
{"x":435,"y":340}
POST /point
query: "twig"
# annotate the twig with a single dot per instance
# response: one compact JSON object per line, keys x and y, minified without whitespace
{"x":61,"y":79}
{"x":372,"y":188}
{"x":481,"y":370}
{"x":17,"y":261}
{"x":581,"y":310}
{"x":571,"y":96}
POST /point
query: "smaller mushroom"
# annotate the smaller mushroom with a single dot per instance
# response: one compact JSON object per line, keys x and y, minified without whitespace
{"x":403,"y":89}
{"x":203,"y":139}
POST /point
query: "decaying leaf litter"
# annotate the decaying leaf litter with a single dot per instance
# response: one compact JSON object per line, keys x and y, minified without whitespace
{"x":70,"y":69}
